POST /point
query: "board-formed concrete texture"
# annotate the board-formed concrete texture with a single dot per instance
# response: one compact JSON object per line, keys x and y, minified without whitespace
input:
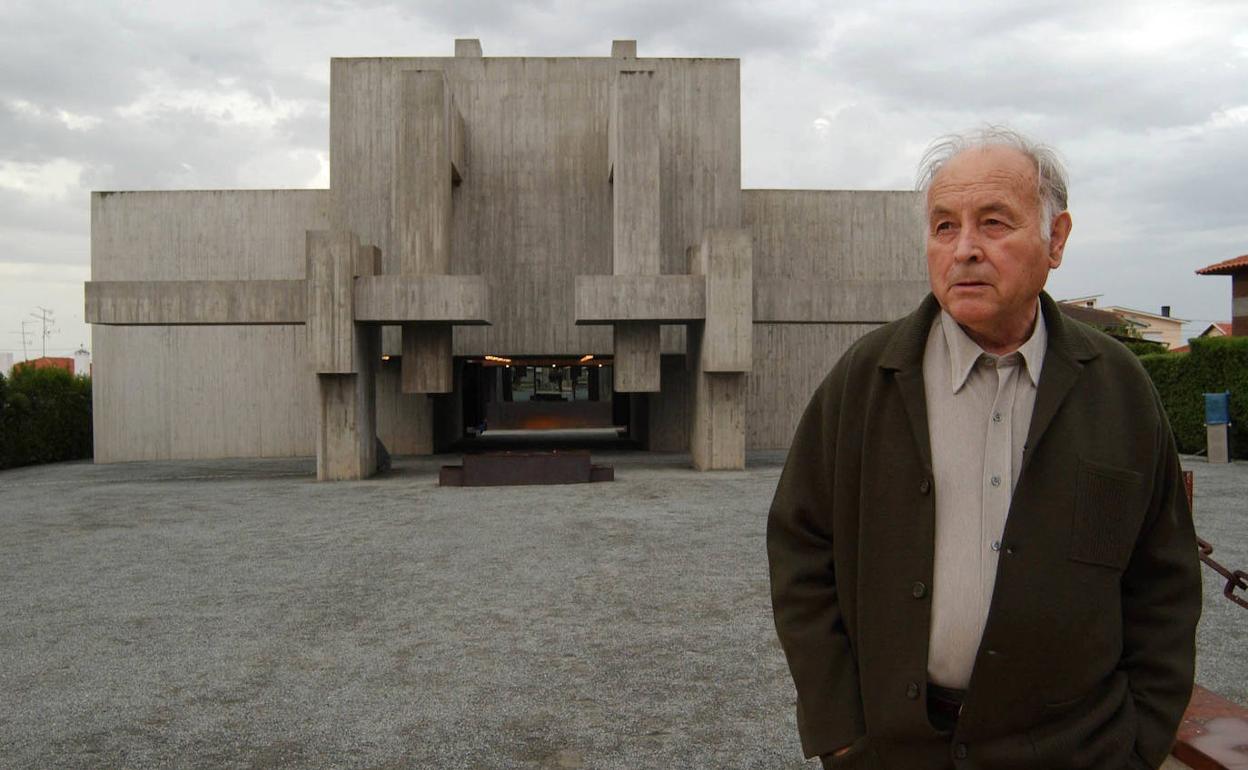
{"x":534,"y":208}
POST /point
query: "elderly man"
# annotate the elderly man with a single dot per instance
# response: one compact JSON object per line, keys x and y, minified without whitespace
{"x":981,"y":553}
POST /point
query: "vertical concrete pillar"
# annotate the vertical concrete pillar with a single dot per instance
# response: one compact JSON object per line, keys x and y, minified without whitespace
{"x":344,"y":356}
{"x":721,"y":350}
{"x":633,"y":157}
{"x":423,"y":218}
{"x":717,"y":433}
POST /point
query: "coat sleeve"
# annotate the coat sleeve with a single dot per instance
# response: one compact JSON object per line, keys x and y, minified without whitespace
{"x":1161,"y":603}
{"x":804,"y":591}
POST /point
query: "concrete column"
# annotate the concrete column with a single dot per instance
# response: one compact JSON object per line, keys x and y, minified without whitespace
{"x":725,"y":260}
{"x":344,"y":356}
{"x":330,"y":301}
{"x":637,"y":357}
{"x":721,"y":350}
{"x":346,"y":441}
{"x":633,"y":158}
{"x":423,"y":221}
{"x":717,"y":433}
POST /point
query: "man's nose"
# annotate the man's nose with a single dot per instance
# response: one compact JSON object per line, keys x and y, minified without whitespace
{"x":967,"y":248}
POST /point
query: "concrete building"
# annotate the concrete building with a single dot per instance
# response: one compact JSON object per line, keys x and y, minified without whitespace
{"x":536,"y":239}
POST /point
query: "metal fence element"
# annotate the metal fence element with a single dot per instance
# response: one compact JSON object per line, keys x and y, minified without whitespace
{"x":1236,"y":580}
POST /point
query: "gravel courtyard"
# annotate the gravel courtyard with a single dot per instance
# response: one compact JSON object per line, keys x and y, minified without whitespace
{"x":239,"y":614}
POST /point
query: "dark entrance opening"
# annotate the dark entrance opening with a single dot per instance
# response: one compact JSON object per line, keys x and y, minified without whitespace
{"x":540,"y":402}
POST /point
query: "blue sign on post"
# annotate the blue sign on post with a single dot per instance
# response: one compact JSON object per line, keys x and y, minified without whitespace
{"x":1218,"y":408}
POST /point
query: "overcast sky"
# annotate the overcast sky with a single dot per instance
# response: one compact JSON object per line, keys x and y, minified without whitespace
{"x":1148,"y":103}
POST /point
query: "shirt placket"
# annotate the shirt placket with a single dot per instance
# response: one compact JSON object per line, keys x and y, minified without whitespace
{"x":998,"y":479}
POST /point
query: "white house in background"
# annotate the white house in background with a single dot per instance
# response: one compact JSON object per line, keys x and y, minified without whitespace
{"x":1158,"y":327}
{"x":6,"y":363}
{"x":1162,"y":327}
{"x":82,"y":361}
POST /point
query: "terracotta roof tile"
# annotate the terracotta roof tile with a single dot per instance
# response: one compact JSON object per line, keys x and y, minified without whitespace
{"x":1226,"y":267}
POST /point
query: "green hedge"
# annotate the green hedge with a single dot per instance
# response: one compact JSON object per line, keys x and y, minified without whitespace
{"x":45,"y":417}
{"x":1214,"y":365}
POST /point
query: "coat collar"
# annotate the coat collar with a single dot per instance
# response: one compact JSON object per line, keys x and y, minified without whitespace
{"x":1068,"y":349}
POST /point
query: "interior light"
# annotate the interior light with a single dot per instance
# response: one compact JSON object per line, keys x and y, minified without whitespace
{"x":585,"y":358}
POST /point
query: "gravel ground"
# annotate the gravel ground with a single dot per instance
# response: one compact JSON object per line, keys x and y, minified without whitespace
{"x":238,"y":614}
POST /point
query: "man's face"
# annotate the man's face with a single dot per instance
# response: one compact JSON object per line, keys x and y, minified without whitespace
{"x":987,"y":259}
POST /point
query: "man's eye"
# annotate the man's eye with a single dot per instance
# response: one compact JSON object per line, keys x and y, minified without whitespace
{"x":942,"y":227}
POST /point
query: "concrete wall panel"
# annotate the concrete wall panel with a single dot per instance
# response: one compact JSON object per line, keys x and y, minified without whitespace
{"x":790,"y":360}
{"x":197,"y":392}
{"x":834,"y":235}
{"x":819,"y":239}
{"x":207,"y":391}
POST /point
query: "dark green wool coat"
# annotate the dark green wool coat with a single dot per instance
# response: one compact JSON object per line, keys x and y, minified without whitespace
{"x":1087,"y":658}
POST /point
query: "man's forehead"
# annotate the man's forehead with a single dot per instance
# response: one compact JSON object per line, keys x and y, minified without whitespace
{"x":1003,"y":174}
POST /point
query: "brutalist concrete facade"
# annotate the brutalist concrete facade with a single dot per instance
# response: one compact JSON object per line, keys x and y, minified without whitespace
{"x":505,"y":206}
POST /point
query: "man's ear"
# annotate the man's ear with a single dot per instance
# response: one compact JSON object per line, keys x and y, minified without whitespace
{"x":1057,"y":238}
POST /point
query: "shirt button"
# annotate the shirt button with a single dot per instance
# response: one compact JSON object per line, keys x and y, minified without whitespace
{"x":996,"y":545}
{"x":912,"y":691}
{"x":996,"y":481}
{"x":925,"y":486}
{"x":996,"y":417}
{"x":918,"y":590}
{"x":959,"y":751}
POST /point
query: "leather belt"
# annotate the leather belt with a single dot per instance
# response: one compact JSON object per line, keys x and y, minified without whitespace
{"x":944,"y":701}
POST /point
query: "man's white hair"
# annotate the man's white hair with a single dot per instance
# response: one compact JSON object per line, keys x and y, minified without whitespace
{"x":1050,"y":173}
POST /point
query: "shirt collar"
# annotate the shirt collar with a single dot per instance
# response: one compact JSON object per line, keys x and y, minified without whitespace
{"x":964,"y":353}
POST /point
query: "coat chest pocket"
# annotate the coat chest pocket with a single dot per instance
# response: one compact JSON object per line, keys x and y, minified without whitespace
{"x":1108,"y":512}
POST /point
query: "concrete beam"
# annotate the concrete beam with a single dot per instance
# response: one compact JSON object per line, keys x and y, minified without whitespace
{"x":637,"y":357}
{"x":788,"y":300}
{"x":331,"y":263}
{"x":451,"y":299}
{"x":724,"y":261}
{"x":193,"y":303}
{"x":604,"y":299}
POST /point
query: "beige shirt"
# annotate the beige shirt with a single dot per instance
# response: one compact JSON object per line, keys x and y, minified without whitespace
{"x":978,"y":412}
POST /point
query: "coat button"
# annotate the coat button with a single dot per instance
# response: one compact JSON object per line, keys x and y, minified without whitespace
{"x":959,"y":751}
{"x":918,"y":590}
{"x":912,"y":691}
{"x":925,"y":486}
